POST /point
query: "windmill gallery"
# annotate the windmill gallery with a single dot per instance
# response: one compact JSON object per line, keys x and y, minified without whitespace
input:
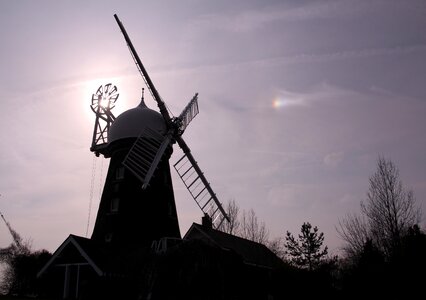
{"x":136,"y":250}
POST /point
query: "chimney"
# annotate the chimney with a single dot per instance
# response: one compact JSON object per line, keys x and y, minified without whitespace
{"x":206,"y":221}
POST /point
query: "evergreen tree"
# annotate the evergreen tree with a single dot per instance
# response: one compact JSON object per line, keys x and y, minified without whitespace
{"x":306,"y":252}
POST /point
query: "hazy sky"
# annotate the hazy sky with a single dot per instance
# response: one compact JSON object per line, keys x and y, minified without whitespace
{"x":297,"y":100}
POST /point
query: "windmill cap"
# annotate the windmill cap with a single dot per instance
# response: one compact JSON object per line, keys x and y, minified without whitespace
{"x":132,"y":122}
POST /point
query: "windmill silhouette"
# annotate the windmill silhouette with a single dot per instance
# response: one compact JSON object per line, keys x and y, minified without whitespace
{"x":136,"y":250}
{"x":138,"y":194}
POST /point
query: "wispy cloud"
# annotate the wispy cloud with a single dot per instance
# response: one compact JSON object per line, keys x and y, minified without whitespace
{"x":333,"y":159}
{"x":301,"y":58}
{"x":260,"y":16}
{"x":335,"y":56}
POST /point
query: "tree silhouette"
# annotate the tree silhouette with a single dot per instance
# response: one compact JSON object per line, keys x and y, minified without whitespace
{"x":233,"y":212}
{"x":245,"y":225}
{"x":387,"y":213}
{"x":305,"y":252}
{"x":252,"y":229}
{"x":389,"y":207}
{"x":353,"y":229}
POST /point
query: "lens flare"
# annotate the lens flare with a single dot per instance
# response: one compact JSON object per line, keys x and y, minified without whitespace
{"x":287,"y":101}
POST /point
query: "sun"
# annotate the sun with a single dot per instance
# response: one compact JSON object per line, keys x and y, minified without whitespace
{"x":105,"y":102}
{"x":104,"y":99}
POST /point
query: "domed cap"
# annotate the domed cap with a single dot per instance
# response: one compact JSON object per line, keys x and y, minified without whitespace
{"x":132,"y":122}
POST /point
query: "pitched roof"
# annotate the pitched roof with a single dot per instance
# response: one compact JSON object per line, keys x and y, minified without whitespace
{"x":252,"y":253}
{"x":86,"y":248}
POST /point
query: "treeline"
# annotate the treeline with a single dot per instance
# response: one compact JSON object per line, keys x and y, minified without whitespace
{"x":383,"y":252}
{"x":384,"y":247}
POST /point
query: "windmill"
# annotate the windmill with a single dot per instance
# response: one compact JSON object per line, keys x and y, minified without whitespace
{"x":139,"y":142}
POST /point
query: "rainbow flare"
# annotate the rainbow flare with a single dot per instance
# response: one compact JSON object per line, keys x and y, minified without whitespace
{"x":277,"y":103}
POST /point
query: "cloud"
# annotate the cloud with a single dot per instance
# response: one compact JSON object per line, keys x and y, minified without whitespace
{"x":333,"y":159}
{"x":349,"y":198}
{"x":316,"y":94}
{"x":304,"y":58}
{"x":253,"y":18}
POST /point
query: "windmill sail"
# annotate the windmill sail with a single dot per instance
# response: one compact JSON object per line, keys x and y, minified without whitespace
{"x":145,"y":155}
{"x":188,"y":113}
{"x":198,"y":186}
{"x":143,"y":158}
{"x":144,"y":73}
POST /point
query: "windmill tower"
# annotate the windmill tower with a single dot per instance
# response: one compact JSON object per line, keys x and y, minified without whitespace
{"x":137,"y":204}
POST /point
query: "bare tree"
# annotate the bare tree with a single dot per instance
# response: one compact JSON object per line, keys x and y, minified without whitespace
{"x":353,"y":229}
{"x":247,"y":226}
{"x":252,"y":229}
{"x":389,"y":211}
{"x":390,"y":208}
{"x":233,"y":212}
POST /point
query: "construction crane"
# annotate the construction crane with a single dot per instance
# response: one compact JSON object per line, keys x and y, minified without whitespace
{"x":17,"y":240}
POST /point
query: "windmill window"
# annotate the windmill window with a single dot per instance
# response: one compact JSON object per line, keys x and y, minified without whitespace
{"x":170,"y":209}
{"x":108,"y":237}
{"x":116,"y":187}
{"x":166,"y":179}
{"x":115,"y":204}
{"x":119,"y":173}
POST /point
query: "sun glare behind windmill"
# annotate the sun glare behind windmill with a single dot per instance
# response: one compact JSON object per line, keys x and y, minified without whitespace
{"x":104,"y":102}
{"x":105,"y":97}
